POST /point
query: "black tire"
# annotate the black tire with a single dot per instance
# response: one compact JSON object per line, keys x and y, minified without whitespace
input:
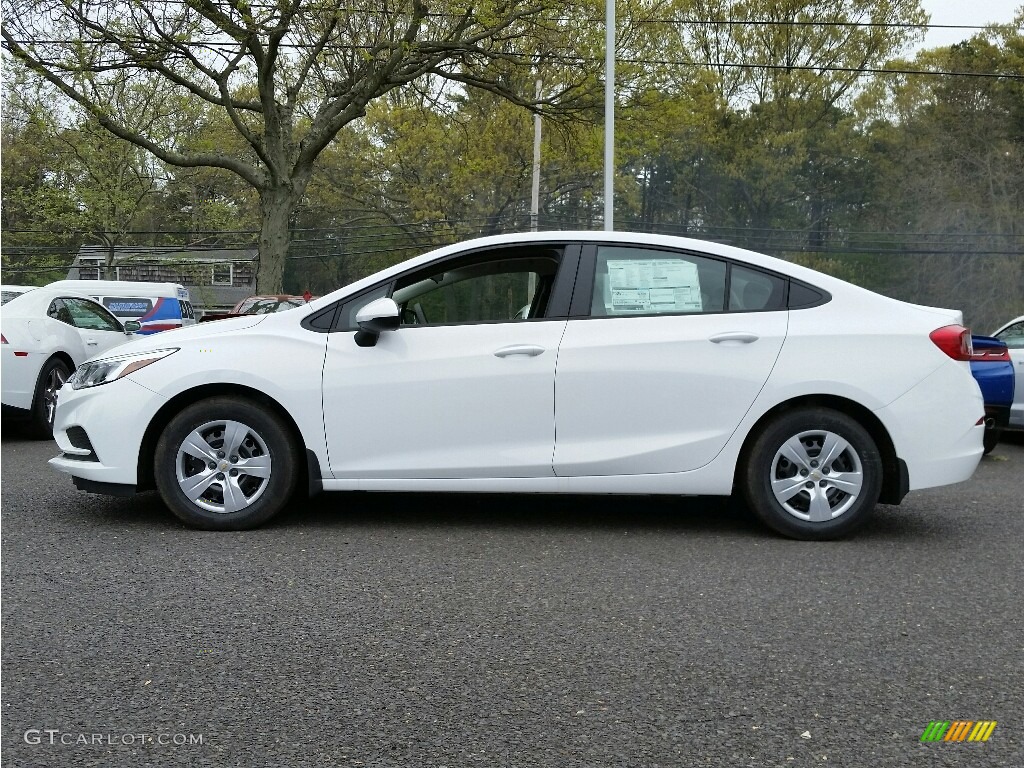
{"x":834,"y":497}
{"x":228,"y":497}
{"x":44,"y":402}
{"x":991,"y":439}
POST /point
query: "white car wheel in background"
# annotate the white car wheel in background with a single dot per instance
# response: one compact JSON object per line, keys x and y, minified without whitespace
{"x":813,"y":474}
{"x":44,"y":404}
{"x":225,"y":464}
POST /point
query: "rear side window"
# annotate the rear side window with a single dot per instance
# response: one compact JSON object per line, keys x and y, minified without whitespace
{"x":641,"y":281}
{"x":631,"y":280}
{"x":753,"y":291}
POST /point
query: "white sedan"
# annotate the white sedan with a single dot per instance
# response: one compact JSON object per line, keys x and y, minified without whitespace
{"x":1012,"y":335}
{"x":10,"y":292}
{"x":46,"y":334}
{"x":557,"y":362}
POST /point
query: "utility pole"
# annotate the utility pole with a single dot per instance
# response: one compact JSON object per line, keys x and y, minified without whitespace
{"x":609,"y":115}
{"x":535,"y":192}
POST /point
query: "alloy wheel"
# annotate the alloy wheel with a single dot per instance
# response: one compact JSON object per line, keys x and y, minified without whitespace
{"x":54,"y":381}
{"x":816,"y":476}
{"x":223,"y":466}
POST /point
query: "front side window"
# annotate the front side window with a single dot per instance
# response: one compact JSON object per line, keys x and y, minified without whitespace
{"x":90,"y":316}
{"x":498,"y":288}
{"x":641,"y":281}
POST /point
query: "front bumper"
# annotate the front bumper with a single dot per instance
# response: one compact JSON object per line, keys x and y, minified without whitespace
{"x":115,"y":417}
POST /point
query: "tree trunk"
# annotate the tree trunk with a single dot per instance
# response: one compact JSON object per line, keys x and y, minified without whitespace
{"x":109,"y":273}
{"x":276,"y":206}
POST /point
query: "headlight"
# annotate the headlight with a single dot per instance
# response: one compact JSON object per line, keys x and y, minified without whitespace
{"x":112,"y":368}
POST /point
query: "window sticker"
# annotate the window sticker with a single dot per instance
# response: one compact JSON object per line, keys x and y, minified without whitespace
{"x":653,"y":285}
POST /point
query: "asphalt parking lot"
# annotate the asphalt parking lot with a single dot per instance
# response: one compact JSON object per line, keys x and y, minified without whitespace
{"x":383,"y":630}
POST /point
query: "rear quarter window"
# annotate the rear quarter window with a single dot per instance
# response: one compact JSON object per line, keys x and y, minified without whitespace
{"x":802,"y":296}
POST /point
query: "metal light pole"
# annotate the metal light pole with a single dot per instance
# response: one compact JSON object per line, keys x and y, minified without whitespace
{"x":535,"y":192}
{"x":609,"y":115}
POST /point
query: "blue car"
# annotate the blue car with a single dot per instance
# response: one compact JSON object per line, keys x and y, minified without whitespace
{"x":993,"y":369}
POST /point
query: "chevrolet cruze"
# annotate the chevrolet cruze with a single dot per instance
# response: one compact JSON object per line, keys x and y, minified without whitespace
{"x":557,"y":362}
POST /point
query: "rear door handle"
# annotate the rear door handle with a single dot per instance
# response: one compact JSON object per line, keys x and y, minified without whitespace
{"x":91,"y":342}
{"x":733,"y":337}
{"x":529,"y":350}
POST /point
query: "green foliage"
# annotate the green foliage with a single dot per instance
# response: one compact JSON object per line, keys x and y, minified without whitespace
{"x":769,"y":135}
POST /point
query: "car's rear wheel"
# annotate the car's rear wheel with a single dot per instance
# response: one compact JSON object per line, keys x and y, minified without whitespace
{"x":44,"y":404}
{"x":225,"y":464}
{"x":813,"y":474}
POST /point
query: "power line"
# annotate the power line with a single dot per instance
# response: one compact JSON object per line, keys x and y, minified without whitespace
{"x":656,"y":20}
{"x":569,"y":60}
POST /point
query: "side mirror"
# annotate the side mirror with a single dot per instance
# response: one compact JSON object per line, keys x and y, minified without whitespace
{"x":132,"y":326}
{"x":376,"y":317}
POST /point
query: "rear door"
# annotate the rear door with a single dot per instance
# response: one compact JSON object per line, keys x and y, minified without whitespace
{"x":664,"y":354}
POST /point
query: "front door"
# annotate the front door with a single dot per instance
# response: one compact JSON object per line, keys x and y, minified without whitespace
{"x":464,"y":388}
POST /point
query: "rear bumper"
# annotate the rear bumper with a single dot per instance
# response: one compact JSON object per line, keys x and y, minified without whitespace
{"x":997,"y":416}
{"x":938,"y":427}
{"x":1016,"y":416}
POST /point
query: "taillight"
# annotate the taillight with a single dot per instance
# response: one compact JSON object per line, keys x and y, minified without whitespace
{"x":954,"y":340}
{"x":3,"y":339}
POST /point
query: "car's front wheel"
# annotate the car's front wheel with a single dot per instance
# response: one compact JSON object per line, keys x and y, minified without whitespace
{"x":813,"y":474}
{"x":225,"y":464}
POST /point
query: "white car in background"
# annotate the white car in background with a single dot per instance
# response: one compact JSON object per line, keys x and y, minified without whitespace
{"x":1012,"y":335}
{"x":8,"y":292}
{"x":555,"y":362}
{"x":47,"y":333}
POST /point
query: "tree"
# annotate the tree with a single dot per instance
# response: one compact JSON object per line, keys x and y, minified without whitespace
{"x":951,"y":168}
{"x":288,"y":75}
{"x":73,"y":182}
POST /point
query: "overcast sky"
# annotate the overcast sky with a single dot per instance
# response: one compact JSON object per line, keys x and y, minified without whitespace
{"x":967,"y":12}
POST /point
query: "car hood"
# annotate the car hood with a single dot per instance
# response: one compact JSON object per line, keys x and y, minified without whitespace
{"x":185,"y":335}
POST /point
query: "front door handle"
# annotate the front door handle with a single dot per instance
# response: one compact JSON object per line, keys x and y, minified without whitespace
{"x":733,"y":337}
{"x":91,"y":342}
{"x":529,"y":350}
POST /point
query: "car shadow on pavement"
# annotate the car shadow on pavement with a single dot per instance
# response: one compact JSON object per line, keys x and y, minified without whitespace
{"x":707,"y":516}
{"x":419,"y":510}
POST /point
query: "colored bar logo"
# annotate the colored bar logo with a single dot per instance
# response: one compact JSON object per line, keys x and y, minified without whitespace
{"x":958,"y":730}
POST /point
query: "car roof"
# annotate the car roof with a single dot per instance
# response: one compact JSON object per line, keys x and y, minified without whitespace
{"x":708,"y":247}
{"x":28,"y":303}
{"x":1004,"y":326}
